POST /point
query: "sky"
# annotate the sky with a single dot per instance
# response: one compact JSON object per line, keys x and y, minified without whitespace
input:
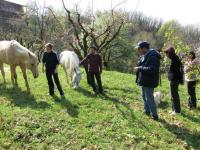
{"x":185,"y":11}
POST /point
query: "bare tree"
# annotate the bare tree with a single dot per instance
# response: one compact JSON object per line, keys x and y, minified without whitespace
{"x":86,"y":36}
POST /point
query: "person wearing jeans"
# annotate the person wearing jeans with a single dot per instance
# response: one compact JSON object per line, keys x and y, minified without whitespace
{"x":147,"y":76}
{"x":191,"y":75}
{"x":175,"y":76}
{"x":50,"y":61}
{"x":94,"y":61}
{"x":149,"y":103}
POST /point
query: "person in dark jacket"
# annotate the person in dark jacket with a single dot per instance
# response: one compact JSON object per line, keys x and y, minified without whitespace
{"x":94,"y":61}
{"x":147,"y":76}
{"x":175,"y":76}
{"x":51,"y":62}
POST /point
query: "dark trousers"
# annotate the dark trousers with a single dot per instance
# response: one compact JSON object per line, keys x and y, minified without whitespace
{"x":175,"y":96}
{"x":49,"y":75}
{"x":96,"y":75}
{"x":87,"y":74}
{"x":192,"y":101}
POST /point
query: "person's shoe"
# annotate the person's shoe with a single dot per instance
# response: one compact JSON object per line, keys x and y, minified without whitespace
{"x":155,"y":118}
{"x":50,"y":94}
{"x":173,"y":113}
{"x":192,"y":107}
{"x":146,"y":113}
{"x":103,"y":93}
{"x":95,"y":93}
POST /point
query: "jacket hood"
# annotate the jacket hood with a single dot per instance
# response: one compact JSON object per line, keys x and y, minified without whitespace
{"x":154,"y":53}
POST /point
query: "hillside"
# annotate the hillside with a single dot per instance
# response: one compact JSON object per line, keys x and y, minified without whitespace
{"x":83,"y":121}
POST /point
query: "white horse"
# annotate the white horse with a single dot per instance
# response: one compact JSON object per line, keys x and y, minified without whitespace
{"x":14,"y":54}
{"x":70,"y":63}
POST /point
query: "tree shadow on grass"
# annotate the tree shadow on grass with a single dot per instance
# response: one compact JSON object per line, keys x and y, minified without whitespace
{"x":163,"y":105}
{"x":125,"y":90}
{"x":72,"y":109}
{"x":127,"y":115}
{"x":182,"y":133}
{"x":116,"y":101}
{"x":190,"y":117}
{"x":85,"y":92}
{"x":20,"y":98}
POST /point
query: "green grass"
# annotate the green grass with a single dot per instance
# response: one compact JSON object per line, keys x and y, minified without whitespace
{"x":83,"y":121}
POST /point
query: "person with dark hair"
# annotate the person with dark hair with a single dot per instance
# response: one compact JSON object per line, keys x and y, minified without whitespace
{"x":94,"y":61}
{"x":147,"y":76}
{"x":191,"y":75}
{"x":51,"y":62}
{"x":175,"y":76}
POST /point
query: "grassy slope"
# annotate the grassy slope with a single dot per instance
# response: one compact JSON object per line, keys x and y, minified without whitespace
{"x":81,"y":120}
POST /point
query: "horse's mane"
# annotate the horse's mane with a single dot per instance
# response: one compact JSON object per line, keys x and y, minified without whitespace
{"x":19,"y":47}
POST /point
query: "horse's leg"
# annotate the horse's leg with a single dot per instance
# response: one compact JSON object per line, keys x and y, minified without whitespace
{"x":12,"y":74}
{"x":23,"y":68}
{"x":67,"y":76}
{"x":70,"y":76}
{"x":15,"y":76}
{"x":2,"y":72}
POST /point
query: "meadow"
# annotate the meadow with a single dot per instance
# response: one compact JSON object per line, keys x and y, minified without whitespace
{"x":84,"y":121}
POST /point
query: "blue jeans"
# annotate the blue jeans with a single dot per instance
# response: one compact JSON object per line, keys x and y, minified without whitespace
{"x":149,"y":103}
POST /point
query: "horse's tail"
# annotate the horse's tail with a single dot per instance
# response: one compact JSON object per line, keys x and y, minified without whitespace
{"x":72,"y":66}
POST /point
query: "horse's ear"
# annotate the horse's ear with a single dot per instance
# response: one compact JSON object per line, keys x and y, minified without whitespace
{"x":29,"y":54}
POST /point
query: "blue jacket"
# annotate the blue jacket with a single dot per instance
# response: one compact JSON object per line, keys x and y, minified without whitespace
{"x":148,"y":69}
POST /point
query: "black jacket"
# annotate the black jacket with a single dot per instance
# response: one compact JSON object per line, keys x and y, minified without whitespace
{"x":148,"y":71}
{"x":176,"y":69}
{"x":50,"y":60}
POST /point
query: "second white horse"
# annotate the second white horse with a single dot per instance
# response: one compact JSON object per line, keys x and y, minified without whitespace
{"x":70,"y":63}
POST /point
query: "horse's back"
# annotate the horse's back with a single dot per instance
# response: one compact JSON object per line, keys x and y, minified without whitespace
{"x":69,"y":60}
{"x":69,"y":56}
{"x":4,"y":50}
{"x":12,"y":52}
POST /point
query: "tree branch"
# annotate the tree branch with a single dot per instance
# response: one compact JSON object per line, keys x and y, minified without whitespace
{"x":74,"y":25}
{"x":102,"y":46}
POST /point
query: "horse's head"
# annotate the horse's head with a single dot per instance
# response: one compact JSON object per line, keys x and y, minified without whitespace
{"x":33,"y":64}
{"x":76,"y":78}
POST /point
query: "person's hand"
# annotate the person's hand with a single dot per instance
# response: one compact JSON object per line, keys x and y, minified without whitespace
{"x":56,"y":70}
{"x":136,"y":69}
